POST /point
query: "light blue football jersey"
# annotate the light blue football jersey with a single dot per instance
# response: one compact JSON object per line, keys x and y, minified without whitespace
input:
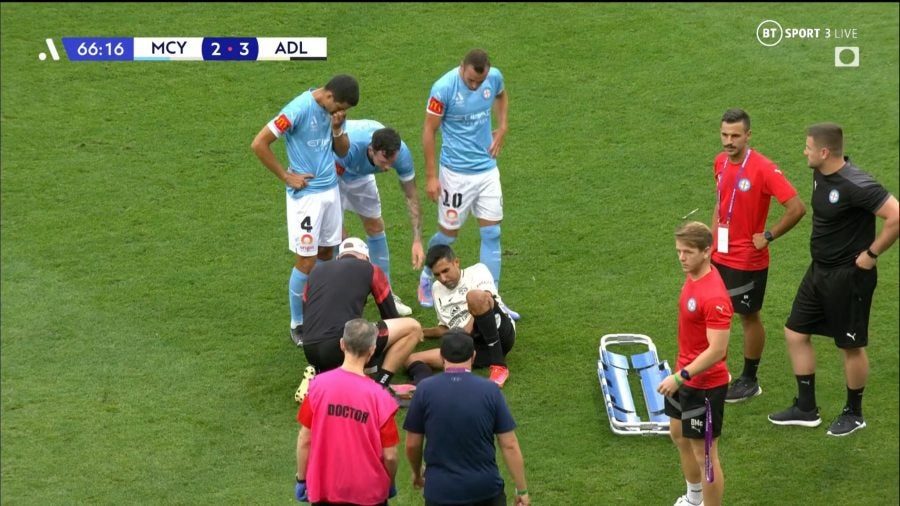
{"x":356,"y":164}
{"x":306,"y":128}
{"x":466,"y":120}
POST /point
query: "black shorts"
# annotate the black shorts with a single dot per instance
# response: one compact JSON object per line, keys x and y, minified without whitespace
{"x":835,"y":302}
{"x":747,"y":289}
{"x":507,"y":330}
{"x":326,"y":354}
{"x":689,"y":405}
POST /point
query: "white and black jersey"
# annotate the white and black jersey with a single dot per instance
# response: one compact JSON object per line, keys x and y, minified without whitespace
{"x":450,"y":305}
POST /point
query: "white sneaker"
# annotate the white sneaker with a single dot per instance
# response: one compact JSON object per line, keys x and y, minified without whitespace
{"x":683,"y":501}
{"x":402,"y":308}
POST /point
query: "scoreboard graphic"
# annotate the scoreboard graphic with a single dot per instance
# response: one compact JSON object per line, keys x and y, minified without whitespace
{"x":190,"y":48}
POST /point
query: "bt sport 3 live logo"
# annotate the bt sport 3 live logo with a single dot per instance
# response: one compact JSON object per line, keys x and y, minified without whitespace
{"x":770,"y":33}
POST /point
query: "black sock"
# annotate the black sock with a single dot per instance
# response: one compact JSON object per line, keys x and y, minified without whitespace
{"x":806,"y":390}
{"x":750,"y":368}
{"x":487,"y":325}
{"x":854,"y":400}
{"x":418,"y":371}
{"x":383,"y":377}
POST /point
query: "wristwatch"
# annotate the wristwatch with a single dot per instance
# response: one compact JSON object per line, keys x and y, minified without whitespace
{"x":768,"y":235}
{"x":685,"y":374}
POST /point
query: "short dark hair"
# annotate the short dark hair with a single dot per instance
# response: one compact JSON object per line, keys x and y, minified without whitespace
{"x":457,"y":346}
{"x":828,"y":135}
{"x":735,"y":115}
{"x":437,"y":252}
{"x":478,"y":59}
{"x":387,"y":140}
{"x":344,"y":88}
{"x":695,"y":234}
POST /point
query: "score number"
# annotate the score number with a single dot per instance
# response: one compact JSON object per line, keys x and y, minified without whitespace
{"x":230,"y":48}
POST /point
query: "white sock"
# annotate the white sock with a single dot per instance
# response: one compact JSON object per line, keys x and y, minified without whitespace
{"x":694,"y":492}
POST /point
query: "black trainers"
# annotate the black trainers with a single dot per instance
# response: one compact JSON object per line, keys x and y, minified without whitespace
{"x":297,"y":335}
{"x":742,"y":389}
{"x":796,"y":416}
{"x":846,"y":423}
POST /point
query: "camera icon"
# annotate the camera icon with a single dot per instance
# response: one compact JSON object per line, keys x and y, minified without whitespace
{"x":843,"y":52}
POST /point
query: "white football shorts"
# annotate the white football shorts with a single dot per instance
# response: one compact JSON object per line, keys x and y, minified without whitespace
{"x":361,"y":196}
{"x":478,"y":193}
{"x":314,"y":220}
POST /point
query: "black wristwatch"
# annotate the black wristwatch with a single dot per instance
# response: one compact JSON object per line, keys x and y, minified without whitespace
{"x":768,"y":235}
{"x":685,"y":374}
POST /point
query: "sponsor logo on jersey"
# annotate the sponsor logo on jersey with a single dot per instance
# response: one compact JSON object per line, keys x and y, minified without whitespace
{"x":834,"y":196}
{"x":306,"y":239}
{"x":435,"y":106}
{"x":282,"y":123}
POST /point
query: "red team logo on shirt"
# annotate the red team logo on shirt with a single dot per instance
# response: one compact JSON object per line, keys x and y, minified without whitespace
{"x":306,"y":240}
{"x":436,"y":106}
{"x":339,"y":169}
{"x":282,"y":123}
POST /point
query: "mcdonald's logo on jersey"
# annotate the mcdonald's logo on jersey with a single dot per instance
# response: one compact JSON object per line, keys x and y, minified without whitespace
{"x":282,"y":123}
{"x":436,"y":106}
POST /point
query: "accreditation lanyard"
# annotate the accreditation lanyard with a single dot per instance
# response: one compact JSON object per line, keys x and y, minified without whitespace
{"x":722,"y":229}
{"x":737,"y":183}
{"x":707,"y":444}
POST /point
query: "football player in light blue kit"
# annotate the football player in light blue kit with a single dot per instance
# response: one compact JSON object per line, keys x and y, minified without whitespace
{"x":460,"y":105}
{"x":375,"y":149}
{"x":312,"y":125}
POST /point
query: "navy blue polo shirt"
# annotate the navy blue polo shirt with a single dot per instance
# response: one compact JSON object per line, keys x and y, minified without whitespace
{"x":459,"y":413}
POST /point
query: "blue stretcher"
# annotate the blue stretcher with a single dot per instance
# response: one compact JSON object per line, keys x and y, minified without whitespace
{"x":613,"y":372}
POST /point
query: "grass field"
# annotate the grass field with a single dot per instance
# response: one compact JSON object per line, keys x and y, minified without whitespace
{"x":145,"y":352}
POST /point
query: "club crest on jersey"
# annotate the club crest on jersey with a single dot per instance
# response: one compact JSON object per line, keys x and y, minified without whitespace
{"x":744,"y":184}
{"x":834,"y":196}
{"x":692,"y":304}
{"x":486,"y":93}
